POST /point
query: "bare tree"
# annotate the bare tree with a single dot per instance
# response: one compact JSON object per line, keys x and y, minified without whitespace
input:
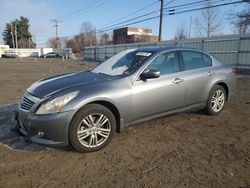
{"x":53,"y":43}
{"x":87,"y":37}
{"x":76,"y":43}
{"x":25,"y":43}
{"x":104,"y":39}
{"x":241,"y":21}
{"x":181,"y":33}
{"x":209,"y":23}
{"x":89,"y":34}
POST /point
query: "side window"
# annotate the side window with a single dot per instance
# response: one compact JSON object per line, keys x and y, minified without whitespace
{"x":207,"y":60}
{"x":192,"y":60}
{"x":166,"y":63}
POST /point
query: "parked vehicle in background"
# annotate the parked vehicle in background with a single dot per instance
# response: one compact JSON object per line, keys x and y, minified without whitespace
{"x":85,"y":109}
{"x":9,"y":54}
{"x":50,"y":55}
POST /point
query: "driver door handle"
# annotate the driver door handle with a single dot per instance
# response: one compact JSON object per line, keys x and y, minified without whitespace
{"x":177,"y":80}
{"x":210,"y":73}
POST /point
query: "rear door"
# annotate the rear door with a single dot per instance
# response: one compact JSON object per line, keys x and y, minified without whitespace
{"x":197,"y":73}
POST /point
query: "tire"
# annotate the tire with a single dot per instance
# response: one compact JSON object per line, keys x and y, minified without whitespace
{"x":86,"y":134}
{"x":216,"y":100}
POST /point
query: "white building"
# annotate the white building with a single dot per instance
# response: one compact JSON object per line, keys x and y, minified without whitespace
{"x":3,"y":48}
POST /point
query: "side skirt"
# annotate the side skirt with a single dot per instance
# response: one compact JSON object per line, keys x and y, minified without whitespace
{"x":196,"y":106}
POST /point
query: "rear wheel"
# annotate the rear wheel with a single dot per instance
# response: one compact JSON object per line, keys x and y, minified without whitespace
{"x":216,"y":101}
{"x":92,"y":128}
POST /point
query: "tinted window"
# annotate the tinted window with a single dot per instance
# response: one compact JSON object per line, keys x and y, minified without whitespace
{"x":207,"y":60}
{"x":166,"y":63}
{"x":192,"y":60}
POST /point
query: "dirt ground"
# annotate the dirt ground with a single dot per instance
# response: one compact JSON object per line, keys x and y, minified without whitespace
{"x":16,"y":75}
{"x":184,"y":150}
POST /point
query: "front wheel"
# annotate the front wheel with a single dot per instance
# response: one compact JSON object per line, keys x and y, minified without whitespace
{"x":216,"y":101}
{"x":92,"y":128}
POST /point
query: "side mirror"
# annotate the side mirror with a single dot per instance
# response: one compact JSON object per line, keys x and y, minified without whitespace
{"x":150,"y":73}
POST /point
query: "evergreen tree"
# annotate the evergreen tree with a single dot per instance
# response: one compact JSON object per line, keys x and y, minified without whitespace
{"x":24,"y":37}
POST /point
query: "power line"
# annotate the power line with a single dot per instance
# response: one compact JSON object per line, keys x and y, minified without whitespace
{"x":202,"y":8}
{"x":87,"y":10}
{"x":78,"y":10}
{"x":132,"y":19}
{"x":194,"y":5}
{"x":166,"y":13}
{"x":147,"y":14}
{"x":139,"y":21}
{"x":171,"y":13}
{"x":131,"y":13}
{"x":168,"y":3}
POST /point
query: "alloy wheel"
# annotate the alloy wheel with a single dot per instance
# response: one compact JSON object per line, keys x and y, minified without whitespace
{"x":94,"y":130}
{"x":218,"y":100}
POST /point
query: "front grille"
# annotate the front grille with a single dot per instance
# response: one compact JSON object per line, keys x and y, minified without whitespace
{"x":28,"y":101}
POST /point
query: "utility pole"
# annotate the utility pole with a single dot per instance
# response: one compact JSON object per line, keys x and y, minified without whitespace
{"x":161,"y":19}
{"x":56,"y":26}
{"x":190,"y":27}
{"x":29,"y":43}
{"x":16,"y":36}
{"x":12,"y":35}
{"x":34,"y":39}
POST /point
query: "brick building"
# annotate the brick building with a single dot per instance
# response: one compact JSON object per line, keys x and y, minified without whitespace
{"x":133,"y":35}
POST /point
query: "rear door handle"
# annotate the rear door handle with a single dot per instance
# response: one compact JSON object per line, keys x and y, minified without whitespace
{"x":177,"y":80}
{"x":210,"y":73}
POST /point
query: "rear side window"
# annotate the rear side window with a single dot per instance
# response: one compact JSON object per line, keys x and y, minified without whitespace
{"x":192,"y":60}
{"x":207,"y":60}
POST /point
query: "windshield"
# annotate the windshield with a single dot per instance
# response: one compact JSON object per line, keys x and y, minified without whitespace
{"x":124,"y":63}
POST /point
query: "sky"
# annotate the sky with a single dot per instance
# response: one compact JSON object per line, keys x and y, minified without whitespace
{"x":100,"y":13}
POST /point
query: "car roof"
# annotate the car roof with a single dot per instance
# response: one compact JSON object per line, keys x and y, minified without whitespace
{"x":164,"y":48}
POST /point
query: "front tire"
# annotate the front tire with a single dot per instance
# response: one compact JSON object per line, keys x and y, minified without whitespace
{"x":92,"y":128}
{"x":216,"y":101}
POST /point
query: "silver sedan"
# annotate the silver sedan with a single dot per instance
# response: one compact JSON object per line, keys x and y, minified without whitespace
{"x":85,"y":109}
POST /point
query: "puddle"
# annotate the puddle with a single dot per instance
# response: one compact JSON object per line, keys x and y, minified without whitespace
{"x":10,"y":138}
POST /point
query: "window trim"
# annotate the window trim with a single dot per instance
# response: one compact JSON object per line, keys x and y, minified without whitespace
{"x":204,"y":54}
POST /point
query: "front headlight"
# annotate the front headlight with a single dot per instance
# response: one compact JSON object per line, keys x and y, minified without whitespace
{"x":57,"y":104}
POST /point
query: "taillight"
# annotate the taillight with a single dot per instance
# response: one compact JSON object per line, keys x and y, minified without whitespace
{"x":234,"y":71}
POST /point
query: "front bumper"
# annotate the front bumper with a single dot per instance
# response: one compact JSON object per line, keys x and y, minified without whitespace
{"x":45,"y":129}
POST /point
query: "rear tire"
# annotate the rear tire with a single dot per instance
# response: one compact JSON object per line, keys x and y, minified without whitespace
{"x":216,"y":100}
{"x":92,"y":128}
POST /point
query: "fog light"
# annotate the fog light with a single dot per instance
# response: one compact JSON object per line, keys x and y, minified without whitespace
{"x":40,"y":133}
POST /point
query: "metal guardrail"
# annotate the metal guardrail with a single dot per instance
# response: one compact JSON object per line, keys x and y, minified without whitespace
{"x":230,"y":49}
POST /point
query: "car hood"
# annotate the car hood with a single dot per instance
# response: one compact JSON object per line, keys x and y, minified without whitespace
{"x":54,"y":84}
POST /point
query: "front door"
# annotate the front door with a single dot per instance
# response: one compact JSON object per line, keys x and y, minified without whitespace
{"x":159,"y":95}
